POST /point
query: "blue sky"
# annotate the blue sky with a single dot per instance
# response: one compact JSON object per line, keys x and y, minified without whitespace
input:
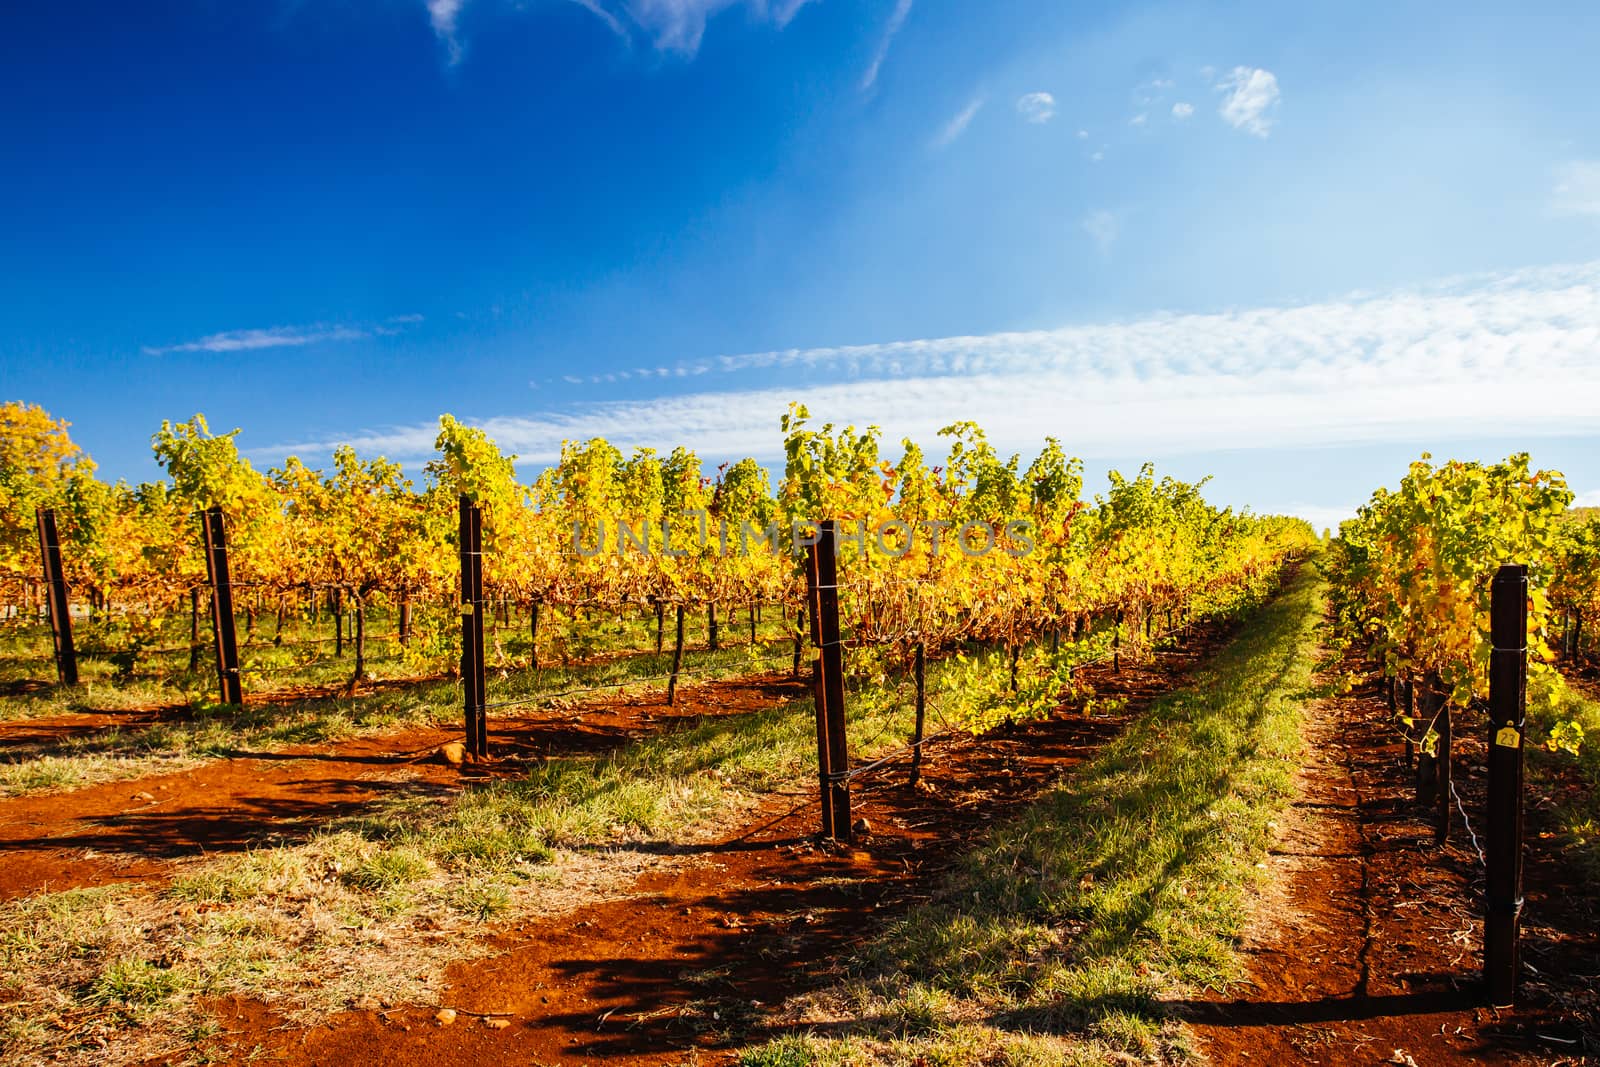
{"x":1290,"y":245}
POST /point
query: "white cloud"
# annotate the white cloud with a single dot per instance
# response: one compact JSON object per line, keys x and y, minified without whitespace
{"x":1591,"y":499}
{"x":1101,"y":226}
{"x":285,"y":337}
{"x":958,"y":123}
{"x":1097,"y":156}
{"x":1577,"y":190}
{"x":1139,"y":120}
{"x":670,"y":25}
{"x":1182,"y":110}
{"x":1037,"y":107}
{"x":597,"y":9}
{"x":1083,"y":135}
{"x":1409,"y":366}
{"x":678,"y":25}
{"x":1147,"y":93}
{"x":443,"y":14}
{"x":1251,"y":94}
{"x":897,"y":19}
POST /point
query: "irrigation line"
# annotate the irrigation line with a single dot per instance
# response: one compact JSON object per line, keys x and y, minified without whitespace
{"x":891,"y":757}
{"x":622,"y":684}
{"x":1482,"y":859}
{"x":1419,"y":742}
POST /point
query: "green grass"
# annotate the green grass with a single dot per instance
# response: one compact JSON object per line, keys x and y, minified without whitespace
{"x":208,"y":731}
{"x":1059,"y":938}
{"x":379,"y":904}
{"x":113,"y":677}
{"x":1575,"y":811}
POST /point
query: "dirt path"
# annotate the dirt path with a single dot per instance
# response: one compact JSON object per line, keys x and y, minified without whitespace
{"x":680,"y":968}
{"x":133,"y":830}
{"x":1366,"y":946}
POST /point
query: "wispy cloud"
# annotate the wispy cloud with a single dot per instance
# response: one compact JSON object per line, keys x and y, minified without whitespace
{"x":958,"y":123}
{"x":670,"y":25}
{"x":598,"y":10}
{"x":1405,"y":366}
{"x":1037,"y":107}
{"x":285,"y":337}
{"x":1182,"y":110}
{"x":1250,"y":94}
{"x":443,"y":15}
{"x":897,"y":20}
{"x":1577,"y":190}
{"x":679,"y":25}
{"x":1101,"y":226}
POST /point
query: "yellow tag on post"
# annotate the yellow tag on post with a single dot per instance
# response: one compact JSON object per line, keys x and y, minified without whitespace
{"x":1507,"y":737}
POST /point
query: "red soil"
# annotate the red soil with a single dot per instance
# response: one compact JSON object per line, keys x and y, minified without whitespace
{"x":680,"y":967}
{"x":132,"y":830}
{"x":1368,"y":949}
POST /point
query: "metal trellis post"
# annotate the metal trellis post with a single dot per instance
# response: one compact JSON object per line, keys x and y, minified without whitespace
{"x":833,"y":753}
{"x":216,"y":535}
{"x":1508,"y":699}
{"x":472,"y":607}
{"x":56,"y":596}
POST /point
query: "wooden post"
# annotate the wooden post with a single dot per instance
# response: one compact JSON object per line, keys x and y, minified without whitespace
{"x":1443,"y":767}
{"x":919,"y":674}
{"x":194,"y":630}
{"x":1116,"y":645}
{"x":1411,"y":714}
{"x":711,"y":626}
{"x":818,"y":700}
{"x":677,"y":661}
{"x":534,"y":611}
{"x":1508,"y":698}
{"x":833,"y":752}
{"x":472,"y":608}
{"x":56,"y":594}
{"x":1427,"y":709}
{"x":216,"y":535}
{"x":799,"y":640}
{"x":361,"y":637}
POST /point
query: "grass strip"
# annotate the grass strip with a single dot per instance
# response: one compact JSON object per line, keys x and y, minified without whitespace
{"x":1060,"y":937}
{"x":208,"y":731}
